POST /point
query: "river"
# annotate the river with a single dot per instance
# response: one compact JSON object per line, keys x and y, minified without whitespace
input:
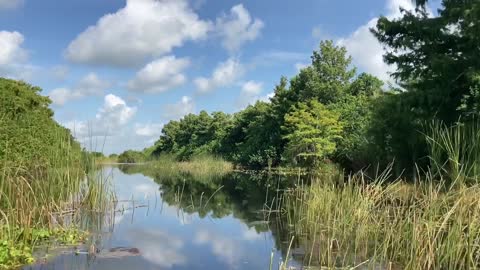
{"x":179,"y":222}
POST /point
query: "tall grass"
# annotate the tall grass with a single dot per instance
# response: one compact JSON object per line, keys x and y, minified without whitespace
{"x":455,"y":151}
{"x":36,"y":196}
{"x":432,"y":223}
{"x":392,"y":226}
{"x":201,"y":168}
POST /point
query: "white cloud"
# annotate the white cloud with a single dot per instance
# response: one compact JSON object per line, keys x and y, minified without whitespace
{"x":250,"y":93}
{"x":110,"y":118}
{"x":179,"y":109}
{"x":11,"y":50}
{"x":160,"y":75}
{"x":225,"y":74}
{"x":115,"y":111}
{"x":299,"y":66}
{"x":252,"y":87}
{"x":237,"y":28}
{"x":143,"y":28}
{"x":148,"y":130}
{"x":366,"y":51}
{"x":87,"y":86}
{"x":13,"y":57}
{"x":10,"y":4}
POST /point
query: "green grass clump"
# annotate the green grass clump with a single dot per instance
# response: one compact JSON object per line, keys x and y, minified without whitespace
{"x":202,"y":168}
{"x":423,"y":225}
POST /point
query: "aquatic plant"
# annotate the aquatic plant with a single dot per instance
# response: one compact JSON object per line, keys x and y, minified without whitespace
{"x":421,"y":225}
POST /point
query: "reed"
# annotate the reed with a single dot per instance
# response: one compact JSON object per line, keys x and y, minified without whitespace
{"x":36,"y":197}
{"x":394,"y":225}
{"x":200,"y":168}
{"x":454,"y":151}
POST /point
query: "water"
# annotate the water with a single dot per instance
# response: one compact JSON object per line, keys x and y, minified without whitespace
{"x":166,"y":221}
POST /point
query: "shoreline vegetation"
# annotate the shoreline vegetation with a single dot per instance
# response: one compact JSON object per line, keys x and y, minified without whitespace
{"x":394,"y":168}
{"x":400,"y":162}
{"x":45,"y":177}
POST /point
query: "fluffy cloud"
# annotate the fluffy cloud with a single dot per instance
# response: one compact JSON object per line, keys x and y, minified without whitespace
{"x":13,"y":57}
{"x":160,"y":75}
{"x":110,"y":118}
{"x":252,"y":88}
{"x":88,"y":86}
{"x":11,"y":50}
{"x":238,"y":27}
{"x":366,"y":51}
{"x":225,"y":74}
{"x":10,"y":4}
{"x":143,"y":28}
{"x":148,"y":130}
{"x":179,"y":109}
{"x":250,"y":93}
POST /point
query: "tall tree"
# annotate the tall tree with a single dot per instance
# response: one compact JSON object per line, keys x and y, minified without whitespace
{"x":312,"y":132}
{"x":327,"y":77}
{"x":437,"y":58}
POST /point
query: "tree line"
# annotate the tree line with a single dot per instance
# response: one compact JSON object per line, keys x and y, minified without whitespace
{"x":330,"y":113}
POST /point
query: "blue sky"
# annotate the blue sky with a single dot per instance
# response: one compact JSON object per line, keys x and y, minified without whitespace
{"x":118,"y":70}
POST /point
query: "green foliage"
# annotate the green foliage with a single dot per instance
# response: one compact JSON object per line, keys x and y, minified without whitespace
{"x":28,"y":133}
{"x":354,"y":223}
{"x":131,"y":156}
{"x":14,"y":254}
{"x":454,"y":152}
{"x":312,"y":132}
{"x":254,"y":137}
{"x":193,"y":135}
{"x":43,"y":172}
{"x":326,"y":79}
{"x":436,"y":58}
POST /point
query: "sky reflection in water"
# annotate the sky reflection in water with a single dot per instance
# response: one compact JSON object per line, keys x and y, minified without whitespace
{"x":166,"y":234}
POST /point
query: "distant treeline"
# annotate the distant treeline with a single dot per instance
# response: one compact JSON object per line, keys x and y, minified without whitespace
{"x":329,"y":112}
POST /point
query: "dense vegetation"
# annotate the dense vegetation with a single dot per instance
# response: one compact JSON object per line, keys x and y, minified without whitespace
{"x":329,"y":112}
{"x":41,"y":169}
{"x":322,"y":113}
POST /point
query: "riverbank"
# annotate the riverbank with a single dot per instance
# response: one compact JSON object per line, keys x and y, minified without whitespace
{"x":392,"y":225}
{"x":45,"y":176}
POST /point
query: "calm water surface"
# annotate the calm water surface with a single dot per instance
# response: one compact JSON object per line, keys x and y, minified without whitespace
{"x":173,"y":221}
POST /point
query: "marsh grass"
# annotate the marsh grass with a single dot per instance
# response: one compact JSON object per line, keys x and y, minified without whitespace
{"x":358,"y":222}
{"x":38,"y":200}
{"x":397,"y":225}
{"x":201,"y":168}
{"x":454,"y":151}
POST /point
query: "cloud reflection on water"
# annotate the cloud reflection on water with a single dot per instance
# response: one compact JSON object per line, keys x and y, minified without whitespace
{"x":158,"y":247}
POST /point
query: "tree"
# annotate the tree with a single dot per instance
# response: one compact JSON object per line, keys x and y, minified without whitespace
{"x":326,"y":79}
{"x":312,"y":132}
{"x":131,"y":156}
{"x":355,"y":108}
{"x":436,"y":58}
{"x":252,"y":137}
